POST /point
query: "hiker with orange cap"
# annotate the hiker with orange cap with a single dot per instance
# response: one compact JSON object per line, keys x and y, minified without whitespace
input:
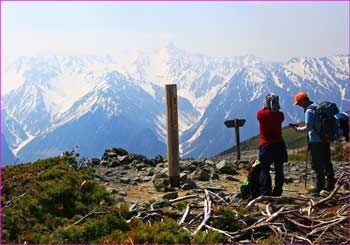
{"x":319,"y":147}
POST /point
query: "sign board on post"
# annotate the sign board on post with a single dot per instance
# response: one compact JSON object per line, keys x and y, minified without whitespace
{"x":172,"y":134}
{"x":236,"y":123}
{"x":232,"y":123}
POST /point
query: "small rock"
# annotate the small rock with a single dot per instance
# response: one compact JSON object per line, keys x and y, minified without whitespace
{"x":188,"y":166}
{"x":187,"y":171}
{"x":183,"y":176}
{"x":109,"y":173}
{"x":209,"y":162}
{"x":150,"y":172}
{"x":105,"y":179}
{"x":103,"y":163}
{"x":201,"y":175}
{"x":146,"y":178}
{"x":120,"y":151}
{"x":150,"y":162}
{"x":158,"y":159}
{"x":124,"y":180}
{"x":124,"y":159}
{"x":161,"y":182}
{"x":95,"y":161}
{"x":214,"y":175}
{"x":133,"y":182}
{"x":111,"y":154}
{"x":188,"y":185}
{"x":120,"y":199}
{"x":231,"y":178}
{"x":164,"y":171}
{"x":122,"y":193}
{"x":244,"y":241}
{"x":114,"y":163}
{"x":141,"y":165}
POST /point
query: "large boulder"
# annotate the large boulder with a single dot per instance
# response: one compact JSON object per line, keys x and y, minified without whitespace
{"x":113,"y":162}
{"x":95,"y":161}
{"x":201,"y":175}
{"x":226,"y":167}
{"x":125,"y":159}
{"x":120,"y":151}
{"x":183,"y":176}
{"x":158,"y":159}
{"x":188,"y":166}
{"x":161,"y":182}
{"x":209,"y":163}
{"x":111,"y":155}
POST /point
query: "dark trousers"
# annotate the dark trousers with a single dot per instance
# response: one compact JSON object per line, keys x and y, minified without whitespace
{"x":272,"y":154}
{"x":320,"y":155}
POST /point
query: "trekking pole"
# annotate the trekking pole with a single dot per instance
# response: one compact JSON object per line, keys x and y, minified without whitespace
{"x":307,"y":159}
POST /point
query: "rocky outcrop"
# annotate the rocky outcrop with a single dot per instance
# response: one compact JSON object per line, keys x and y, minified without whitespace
{"x":121,"y":170}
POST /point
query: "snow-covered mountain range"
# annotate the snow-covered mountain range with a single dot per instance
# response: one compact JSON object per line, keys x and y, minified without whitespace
{"x":98,"y":102}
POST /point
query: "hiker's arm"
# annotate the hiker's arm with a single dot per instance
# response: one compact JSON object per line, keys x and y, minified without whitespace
{"x":309,"y":120}
{"x":307,"y":127}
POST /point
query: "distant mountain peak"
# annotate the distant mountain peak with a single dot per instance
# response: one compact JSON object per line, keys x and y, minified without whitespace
{"x":70,"y":95}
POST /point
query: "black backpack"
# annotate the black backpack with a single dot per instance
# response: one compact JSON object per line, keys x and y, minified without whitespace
{"x":326,"y":112}
{"x":249,"y":185}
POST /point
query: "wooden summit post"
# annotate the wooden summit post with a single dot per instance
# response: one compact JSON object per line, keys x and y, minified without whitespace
{"x":172,"y":134}
{"x":236,"y":123}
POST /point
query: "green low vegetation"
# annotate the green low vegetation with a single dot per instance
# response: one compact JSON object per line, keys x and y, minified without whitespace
{"x":51,"y":201}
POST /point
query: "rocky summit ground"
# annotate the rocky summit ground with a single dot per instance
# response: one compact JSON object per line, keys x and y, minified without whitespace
{"x":207,"y":198}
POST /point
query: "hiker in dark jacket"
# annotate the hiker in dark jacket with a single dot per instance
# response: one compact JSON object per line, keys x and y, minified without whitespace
{"x":319,"y":151}
{"x":272,"y":148}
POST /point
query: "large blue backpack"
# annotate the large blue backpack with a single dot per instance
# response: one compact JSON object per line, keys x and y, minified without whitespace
{"x":344,"y":124}
{"x":326,"y":112}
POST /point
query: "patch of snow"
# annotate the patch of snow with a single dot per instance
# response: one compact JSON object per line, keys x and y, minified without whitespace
{"x":198,"y":132}
{"x":277,"y":80}
{"x":160,"y":127}
{"x":22,"y":144}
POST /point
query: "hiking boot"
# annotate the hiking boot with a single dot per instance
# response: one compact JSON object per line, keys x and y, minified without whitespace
{"x":276,"y":193}
{"x":329,"y":188}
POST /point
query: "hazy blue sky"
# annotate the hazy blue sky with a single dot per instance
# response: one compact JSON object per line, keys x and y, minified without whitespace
{"x":273,"y":31}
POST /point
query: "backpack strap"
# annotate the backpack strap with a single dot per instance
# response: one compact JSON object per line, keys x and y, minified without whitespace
{"x":312,"y":106}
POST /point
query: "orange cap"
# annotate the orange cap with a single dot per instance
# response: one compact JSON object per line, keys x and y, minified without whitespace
{"x":300,"y":96}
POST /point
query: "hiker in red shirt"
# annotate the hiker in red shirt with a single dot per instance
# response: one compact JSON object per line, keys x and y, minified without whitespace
{"x":272,"y":148}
